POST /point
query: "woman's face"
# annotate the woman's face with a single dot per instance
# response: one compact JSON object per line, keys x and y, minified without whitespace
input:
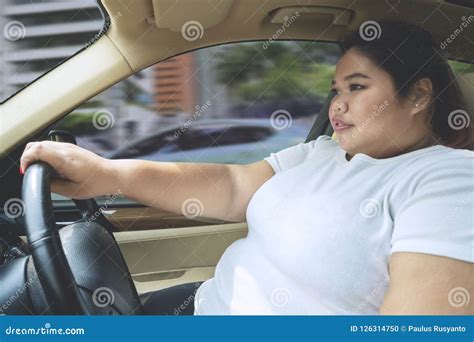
{"x":366,"y":115}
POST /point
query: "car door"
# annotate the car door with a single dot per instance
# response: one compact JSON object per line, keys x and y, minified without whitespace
{"x":214,"y":118}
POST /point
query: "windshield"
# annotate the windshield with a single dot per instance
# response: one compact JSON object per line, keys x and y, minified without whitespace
{"x":37,"y":35}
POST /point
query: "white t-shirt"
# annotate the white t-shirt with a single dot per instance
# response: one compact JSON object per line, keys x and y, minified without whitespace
{"x":322,"y":229}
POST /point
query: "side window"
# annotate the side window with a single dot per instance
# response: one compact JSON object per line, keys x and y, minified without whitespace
{"x":233,"y":103}
{"x":38,"y":35}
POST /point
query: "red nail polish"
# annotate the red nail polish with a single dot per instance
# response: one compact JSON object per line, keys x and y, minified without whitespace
{"x":21,"y":171}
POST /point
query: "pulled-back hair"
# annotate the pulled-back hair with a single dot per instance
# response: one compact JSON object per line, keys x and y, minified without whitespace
{"x":409,"y":53}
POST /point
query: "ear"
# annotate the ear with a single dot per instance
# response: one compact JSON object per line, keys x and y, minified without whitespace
{"x":420,"y":95}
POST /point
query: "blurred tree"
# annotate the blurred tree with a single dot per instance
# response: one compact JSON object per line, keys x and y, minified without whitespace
{"x":277,"y":70}
{"x":461,"y":68}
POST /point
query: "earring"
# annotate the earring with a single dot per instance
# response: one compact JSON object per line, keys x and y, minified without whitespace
{"x":416,"y":105}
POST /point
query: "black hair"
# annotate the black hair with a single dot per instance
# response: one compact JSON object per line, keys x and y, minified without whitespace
{"x":409,"y":53}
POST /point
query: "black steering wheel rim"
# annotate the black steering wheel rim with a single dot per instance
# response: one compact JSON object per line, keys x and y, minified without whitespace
{"x":45,"y":245}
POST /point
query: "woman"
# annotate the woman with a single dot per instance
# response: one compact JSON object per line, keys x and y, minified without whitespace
{"x":378,"y":222}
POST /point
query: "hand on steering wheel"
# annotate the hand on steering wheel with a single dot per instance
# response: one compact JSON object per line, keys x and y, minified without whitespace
{"x":72,"y":265}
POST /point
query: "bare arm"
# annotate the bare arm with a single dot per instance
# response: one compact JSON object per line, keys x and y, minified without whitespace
{"x":424,"y":284}
{"x":220,"y":191}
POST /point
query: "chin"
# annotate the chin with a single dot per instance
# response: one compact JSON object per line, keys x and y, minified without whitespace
{"x":347,"y":142}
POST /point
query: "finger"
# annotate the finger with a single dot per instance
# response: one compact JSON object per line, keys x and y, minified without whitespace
{"x":52,"y":152}
{"x":28,"y":145}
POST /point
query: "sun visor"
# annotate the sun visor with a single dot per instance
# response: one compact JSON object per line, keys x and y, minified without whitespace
{"x":177,"y":15}
{"x":337,"y":16}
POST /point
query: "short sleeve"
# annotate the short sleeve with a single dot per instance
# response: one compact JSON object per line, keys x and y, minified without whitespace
{"x":291,"y":156}
{"x":438,"y":217}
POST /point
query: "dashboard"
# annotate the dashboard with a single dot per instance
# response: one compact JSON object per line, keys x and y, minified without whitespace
{"x":12,"y":245}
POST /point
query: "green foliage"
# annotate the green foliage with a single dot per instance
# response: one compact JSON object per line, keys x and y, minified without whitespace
{"x":76,"y":123}
{"x":282,"y":70}
{"x":461,"y":68}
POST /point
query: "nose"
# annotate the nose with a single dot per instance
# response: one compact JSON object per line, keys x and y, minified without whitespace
{"x":339,"y":106}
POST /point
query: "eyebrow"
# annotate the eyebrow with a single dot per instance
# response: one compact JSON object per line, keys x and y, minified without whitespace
{"x":351,"y":76}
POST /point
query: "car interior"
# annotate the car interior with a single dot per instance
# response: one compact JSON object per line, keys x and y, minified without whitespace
{"x":53,"y":258}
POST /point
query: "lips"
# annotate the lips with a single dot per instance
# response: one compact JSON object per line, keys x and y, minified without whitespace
{"x":339,"y":125}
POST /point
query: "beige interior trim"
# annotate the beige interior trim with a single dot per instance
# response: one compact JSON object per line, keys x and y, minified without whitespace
{"x":134,"y":41}
{"x":177,"y":15}
{"x":161,"y":258}
{"x":143,"y":43}
{"x":145,"y":218}
{"x":338,"y":16}
{"x":163,"y":280}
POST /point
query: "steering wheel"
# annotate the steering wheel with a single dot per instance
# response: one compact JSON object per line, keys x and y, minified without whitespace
{"x":80,"y":268}
{"x":88,"y":208}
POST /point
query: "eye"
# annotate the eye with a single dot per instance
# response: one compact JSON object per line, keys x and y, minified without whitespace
{"x":334,"y":90}
{"x":355,"y":86}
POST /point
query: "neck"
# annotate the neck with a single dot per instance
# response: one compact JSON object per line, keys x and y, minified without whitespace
{"x":424,"y":142}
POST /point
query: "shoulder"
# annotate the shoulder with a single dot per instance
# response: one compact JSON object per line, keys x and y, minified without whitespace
{"x":323,"y":143}
{"x":453,"y":166}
